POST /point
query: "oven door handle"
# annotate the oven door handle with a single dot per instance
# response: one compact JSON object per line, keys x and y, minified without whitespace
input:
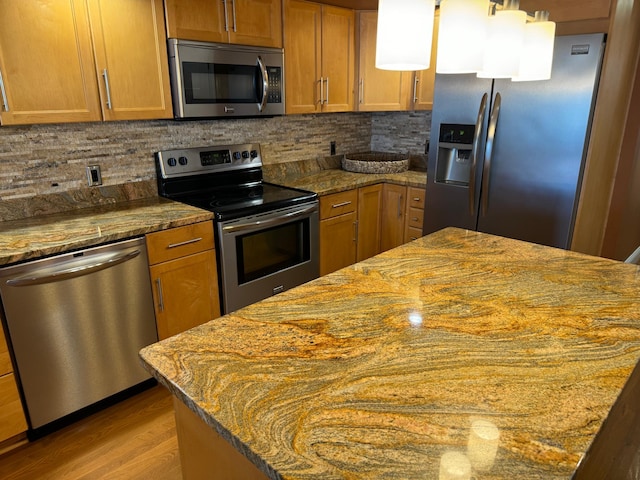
{"x":270,"y":222}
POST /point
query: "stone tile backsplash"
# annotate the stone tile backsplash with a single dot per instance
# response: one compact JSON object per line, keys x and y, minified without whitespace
{"x":37,"y":160}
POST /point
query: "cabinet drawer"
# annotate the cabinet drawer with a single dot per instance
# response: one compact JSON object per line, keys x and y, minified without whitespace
{"x":412,"y":234}
{"x":12,"y":420}
{"x":338,"y":204}
{"x":179,"y":242}
{"x":416,"y":197}
{"x":416,"y":218}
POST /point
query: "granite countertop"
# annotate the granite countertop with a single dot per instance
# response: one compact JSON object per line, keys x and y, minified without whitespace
{"x":39,"y":236}
{"x":379,"y":369}
{"x":325,"y":182}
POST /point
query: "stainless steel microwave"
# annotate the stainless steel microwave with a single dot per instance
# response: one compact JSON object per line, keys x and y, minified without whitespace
{"x":221,"y":80}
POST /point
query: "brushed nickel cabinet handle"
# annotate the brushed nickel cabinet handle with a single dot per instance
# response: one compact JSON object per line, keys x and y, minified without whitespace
{"x":415,"y":89}
{"x":105,"y":74}
{"x":233,"y":9}
{"x":327,"y":99}
{"x":5,"y":102}
{"x":160,"y":297}
{"x":343,"y":204}
{"x":186,"y":242}
{"x":226,"y":24}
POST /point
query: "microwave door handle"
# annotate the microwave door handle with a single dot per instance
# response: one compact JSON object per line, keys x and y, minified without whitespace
{"x":265,"y":84}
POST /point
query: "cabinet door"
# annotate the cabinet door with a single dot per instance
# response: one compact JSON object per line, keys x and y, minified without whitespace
{"x":185,"y":292}
{"x":378,"y":90}
{"x":337,"y":242}
{"x":302,"y":44}
{"x":338,"y":58}
{"x":256,"y":22}
{"x":424,"y":80}
{"x":46,"y":63}
{"x":394,"y":199}
{"x":202,"y":20}
{"x":369,"y":209}
{"x":12,"y":421}
{"x":131,"y":59}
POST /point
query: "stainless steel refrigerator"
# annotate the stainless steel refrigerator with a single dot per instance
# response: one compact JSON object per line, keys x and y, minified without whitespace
{"x":507,"y":157}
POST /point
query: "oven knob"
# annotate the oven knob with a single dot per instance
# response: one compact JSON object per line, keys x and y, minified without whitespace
{"x":172,"y":162}
{"x":245,"y":154}
{"x":182,"y":160}
{"x":254,"y":153}
{"x":236,"y":155}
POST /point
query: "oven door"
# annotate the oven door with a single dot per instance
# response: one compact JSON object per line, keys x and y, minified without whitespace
{"x":262,"y":255}
{"x":211,"y":80}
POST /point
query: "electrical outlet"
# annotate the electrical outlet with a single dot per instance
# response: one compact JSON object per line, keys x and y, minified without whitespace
{"x":94,"y":177}
{"x":333,"y":148}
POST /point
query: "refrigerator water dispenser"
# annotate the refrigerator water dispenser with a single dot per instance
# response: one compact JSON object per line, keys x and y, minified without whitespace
{"x":453,"y":163}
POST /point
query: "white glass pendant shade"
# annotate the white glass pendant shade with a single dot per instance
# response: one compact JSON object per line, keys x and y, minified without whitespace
{"x":461,"y":37}
{"x":504,"y":44}
{"x":405,"y":31}
{"x":537,"y":54}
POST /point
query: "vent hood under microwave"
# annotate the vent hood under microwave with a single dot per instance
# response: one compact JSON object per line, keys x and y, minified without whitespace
{"x":220,"y":80}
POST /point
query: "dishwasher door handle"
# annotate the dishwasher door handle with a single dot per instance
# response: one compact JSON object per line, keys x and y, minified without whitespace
{"x":66,"y":272}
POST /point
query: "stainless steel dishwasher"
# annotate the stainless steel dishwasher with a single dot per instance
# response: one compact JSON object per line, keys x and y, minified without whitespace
{"x":76,"y":323}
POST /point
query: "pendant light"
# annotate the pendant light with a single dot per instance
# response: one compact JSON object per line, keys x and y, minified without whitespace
{"x":461,"y":37}
{"x":405,"y":30}
{"x":505,"y":40}
{"x":536,"y":60}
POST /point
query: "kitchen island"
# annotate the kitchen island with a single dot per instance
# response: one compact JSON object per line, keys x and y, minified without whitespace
{"x":383,"y":369}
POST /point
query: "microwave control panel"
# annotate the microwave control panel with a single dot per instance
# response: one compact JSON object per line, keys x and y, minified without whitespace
{"x":274,"y":92}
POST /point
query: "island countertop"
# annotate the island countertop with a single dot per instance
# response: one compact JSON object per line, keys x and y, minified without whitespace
{"x":381,"y":368}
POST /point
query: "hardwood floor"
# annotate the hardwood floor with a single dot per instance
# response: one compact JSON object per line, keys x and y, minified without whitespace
{"x":135,"y":439}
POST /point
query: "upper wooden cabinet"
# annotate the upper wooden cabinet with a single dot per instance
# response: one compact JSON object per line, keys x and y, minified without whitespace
{"x":319,"y":43}
{"x":244,"y":22}
{"x":131,"y":59}
{"x":378,"y":90}
{"x":424,"y":80}
{"x":52,"y":73}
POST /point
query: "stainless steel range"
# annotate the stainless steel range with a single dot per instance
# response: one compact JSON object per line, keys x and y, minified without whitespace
{"x":266,"y":234}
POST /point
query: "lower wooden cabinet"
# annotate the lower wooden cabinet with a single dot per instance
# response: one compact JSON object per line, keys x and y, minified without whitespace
{"x":12,"y":418}
{"x":394,"y":201}
{"x":338,"y":230}
{"x":415,"y":214}
{"x":369,"y":207}
{"x":184,"y":277}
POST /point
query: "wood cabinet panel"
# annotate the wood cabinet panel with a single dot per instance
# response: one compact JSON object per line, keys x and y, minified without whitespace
{"x":12,"y":419}
{"x":338,"y":58}
{"x":202,"y":20}
{"x":369,"y":207}
{"x":256,"y":22}
{"x":5,"y":359}
{"x":338,"y":204}
{"x":569,"y":10}
{"x":337,"y":242}
{"x":185,"y":292}
{"x":179,"y":242}
{"x":244,"y":22}
{"x":394,"y":199}
{"x":131,"y":59}
{"x":415,"y":197}
{"x":424,"y":80}
{"x":47,"y":65}
{"x":378,"y":90}
{"x":319,"y":42}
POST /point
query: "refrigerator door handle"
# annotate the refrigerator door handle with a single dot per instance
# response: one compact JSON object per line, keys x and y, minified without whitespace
{"x":474,"y":154}
{"x":491,"y":134}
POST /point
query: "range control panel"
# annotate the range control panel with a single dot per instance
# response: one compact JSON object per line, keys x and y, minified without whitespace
{"x":202,"y":160}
